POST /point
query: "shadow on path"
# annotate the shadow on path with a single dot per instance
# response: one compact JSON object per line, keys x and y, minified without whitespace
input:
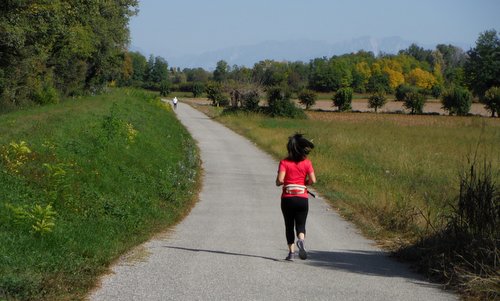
{"x":374,"y":263}
{"x":221,"y":252}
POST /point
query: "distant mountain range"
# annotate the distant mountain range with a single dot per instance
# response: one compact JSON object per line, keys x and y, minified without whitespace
{"x":292,"y":50}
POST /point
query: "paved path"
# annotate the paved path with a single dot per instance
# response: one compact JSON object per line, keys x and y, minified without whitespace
{"x":232,"y":245}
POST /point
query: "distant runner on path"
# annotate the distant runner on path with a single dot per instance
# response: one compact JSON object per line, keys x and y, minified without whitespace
{"x":294,"y":173}
{"x":175,"y":102}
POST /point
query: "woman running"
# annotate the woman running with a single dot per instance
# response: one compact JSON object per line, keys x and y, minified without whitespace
{"x":294,"y":173}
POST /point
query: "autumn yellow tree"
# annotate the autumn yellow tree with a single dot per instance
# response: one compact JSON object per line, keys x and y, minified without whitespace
{"x":421,"y":78}
{"x":396,"y":78}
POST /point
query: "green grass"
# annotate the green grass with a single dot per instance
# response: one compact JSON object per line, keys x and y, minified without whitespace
{"x":120,"y":168}
{"x":390,"y":173}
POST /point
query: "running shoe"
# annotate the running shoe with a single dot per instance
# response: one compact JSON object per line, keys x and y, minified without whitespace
{"x":289,"y":257}
{"x":302,"y":250}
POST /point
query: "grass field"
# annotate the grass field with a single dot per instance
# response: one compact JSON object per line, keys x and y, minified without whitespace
{"x":393,"y":174}
{"x":82,"y":182}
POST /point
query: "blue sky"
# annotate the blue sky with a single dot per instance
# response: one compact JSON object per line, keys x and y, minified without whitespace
{"x":173,"y":28}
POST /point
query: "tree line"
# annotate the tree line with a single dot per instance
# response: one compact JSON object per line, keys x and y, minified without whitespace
{"x":51,"y":50}
{"x":413,"y":75}
{"x":59,"y":48}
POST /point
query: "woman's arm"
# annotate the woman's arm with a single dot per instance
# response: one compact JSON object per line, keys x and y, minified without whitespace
{"x":280,"y":178}
{"x":311,"y":178}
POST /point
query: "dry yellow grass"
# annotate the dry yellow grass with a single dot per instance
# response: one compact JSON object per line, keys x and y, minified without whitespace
{"x":387,"y":171}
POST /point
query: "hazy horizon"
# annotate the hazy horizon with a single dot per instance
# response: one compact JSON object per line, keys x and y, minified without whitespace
{"x":173,"y":29}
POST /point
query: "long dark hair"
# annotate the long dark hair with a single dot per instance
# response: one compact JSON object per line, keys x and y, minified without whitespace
{"x":298,"y":147}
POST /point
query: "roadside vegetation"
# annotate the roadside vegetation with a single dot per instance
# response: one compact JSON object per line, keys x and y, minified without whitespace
{"x":84,"y":181}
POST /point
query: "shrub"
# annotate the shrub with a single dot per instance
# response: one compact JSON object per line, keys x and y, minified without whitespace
{"x":307,"y":98}
{"x":251,"y":101}
{"x":377,"y":100}
{"x":343,"y":99}
{"x":415,"y":102}
{"x":280,"y":104}
{"x":457,"y":100}
{"x":491,"y":101}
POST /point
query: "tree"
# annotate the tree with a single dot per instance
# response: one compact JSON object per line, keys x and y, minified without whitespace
{"x":421,"y":79}
{"x":343,"y":99}
{"x":419,"y":53}
{"x":165,"y":87}
{"x":415,"y":101}
{"x":394,"y":77}
{"x":377,"y":101}
{"x":139,"y":67}
{"x":361,"y":75}
{"x":307,"y":98}
{"x":482,"y":69}
{"x":215,"y":94}
{"x":159,"y":71}
{"x":454,"y":59}
{"x":457,"y":100}
{"x":492,"y":100}
{"x":402,"y":91}
{"x":197,"y":89}
{"x":330,"y":75}
{"x":61,"y":47}
{"x":221,"y":71}
{"x":196,"y":75}
{"x":379,"y":81}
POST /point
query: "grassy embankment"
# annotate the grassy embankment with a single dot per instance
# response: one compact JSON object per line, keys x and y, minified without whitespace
{"x":396,"y":177}
{"x":82,"y":182}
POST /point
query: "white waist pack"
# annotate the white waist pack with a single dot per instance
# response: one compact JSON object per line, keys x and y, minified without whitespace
{"x":295,"y":189}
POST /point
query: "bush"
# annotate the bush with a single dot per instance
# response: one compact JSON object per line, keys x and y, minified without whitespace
{"x":377,"y":100}
{"x":491,"y":101}
{"x":280,"y":104}
{"x":457,"y":100}
{"x":415,"y":102}
{"x":251,"y":101}
{"x":343,"y":99}
{"x":307,"y":98}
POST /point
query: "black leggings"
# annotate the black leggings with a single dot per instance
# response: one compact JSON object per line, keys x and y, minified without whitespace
{"x":295,"y":214}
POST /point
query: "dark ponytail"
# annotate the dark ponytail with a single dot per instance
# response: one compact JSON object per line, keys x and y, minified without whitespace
{"x":298,"y":147}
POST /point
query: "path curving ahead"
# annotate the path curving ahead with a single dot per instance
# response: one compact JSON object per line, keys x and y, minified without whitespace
{"x":232,"y":244}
